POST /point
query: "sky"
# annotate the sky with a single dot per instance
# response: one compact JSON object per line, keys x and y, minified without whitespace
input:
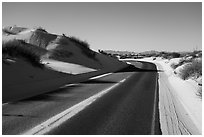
{"x":115,"y":26}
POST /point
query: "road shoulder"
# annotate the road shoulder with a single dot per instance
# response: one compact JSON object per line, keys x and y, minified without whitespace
{"x":175,"y":118}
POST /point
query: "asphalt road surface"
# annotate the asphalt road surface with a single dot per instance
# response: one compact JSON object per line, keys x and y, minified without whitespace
{"x":130,"y":108}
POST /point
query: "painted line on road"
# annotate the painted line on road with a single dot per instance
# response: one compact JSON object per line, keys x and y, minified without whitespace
{"x":69,"y":85}
{"x":96,"y":77}
{"x":154,"y":109}
{"x":60,"y":118}
{"x":100,"y":76}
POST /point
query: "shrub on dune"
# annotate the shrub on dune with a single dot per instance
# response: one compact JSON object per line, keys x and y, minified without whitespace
{"x":170,"y":55}
{"x":174,"y":65}
{"x":6,"y":31}
{"x":84,"y":46}
{"x":14,"y":49}
{"x":199,"y":93}
{"x":12,"y":30}
{"x":193,"y":69}
{"x":175,"y":55}
{"x":80,"y":42}
{"x":180,"y":63}
{"x":41,"y":29}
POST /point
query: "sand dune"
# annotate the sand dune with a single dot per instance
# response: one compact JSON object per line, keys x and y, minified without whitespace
{"x":66,"y":61}
{"x":62,"y":48}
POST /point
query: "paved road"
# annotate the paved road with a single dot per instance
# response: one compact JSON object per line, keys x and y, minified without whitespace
{"x":129,"y":108}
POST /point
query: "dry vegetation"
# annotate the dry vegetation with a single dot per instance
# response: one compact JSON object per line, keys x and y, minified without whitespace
{"x":84,"y":46}
{"x":199,"y":93}
{"x":41,"y":29}
{"x":192,"y":66}
{"x":193,"y":69}
{"x":20,"y":49}
{"x":6,"y":31}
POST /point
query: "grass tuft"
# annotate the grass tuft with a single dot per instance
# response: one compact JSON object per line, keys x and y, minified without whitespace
{"x":19,"y":49}
{"x":199,"y":93}
{"x":41,"y":29}
{"x":174,"y":65}
{"x":193,"y":69}
{"x":5,"y":30}
{"x":84,"y":46}
{"x":80,"y":42}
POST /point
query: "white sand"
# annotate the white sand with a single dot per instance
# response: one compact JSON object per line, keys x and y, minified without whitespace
{"x":65,"y":67}
{"x":180,"y":98}
{"x":51,"y":42}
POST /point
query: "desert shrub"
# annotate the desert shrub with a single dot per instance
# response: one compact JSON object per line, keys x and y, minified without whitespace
{"x":175,"y":55}
{"x":41,"y":29}
{"x":63,"y":40}
{"x":181,"y":62}
{"x":14,"y":49}
{"x":80,"y":42}
{"x":174,"y":65}
{"x":199,"y":54}
{"x":5,"y":30}
{"x":13,"y":30}
{"x":166,"y":56}
{"x":196,"y":54}
{"x":193,"y":69}
{"x":199,"y":92}
{"x":84,"y":46}
{"x":170,"y":55}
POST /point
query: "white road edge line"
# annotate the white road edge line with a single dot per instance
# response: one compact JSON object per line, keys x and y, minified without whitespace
{"x":96,"y":77}
{"x":58,"y":119}
{"x":103,"y":75}
{"x":154,"y":108}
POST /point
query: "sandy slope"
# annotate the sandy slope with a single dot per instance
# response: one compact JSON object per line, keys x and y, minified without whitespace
{"x":65,"y":67}
{"x":67,"y":50}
